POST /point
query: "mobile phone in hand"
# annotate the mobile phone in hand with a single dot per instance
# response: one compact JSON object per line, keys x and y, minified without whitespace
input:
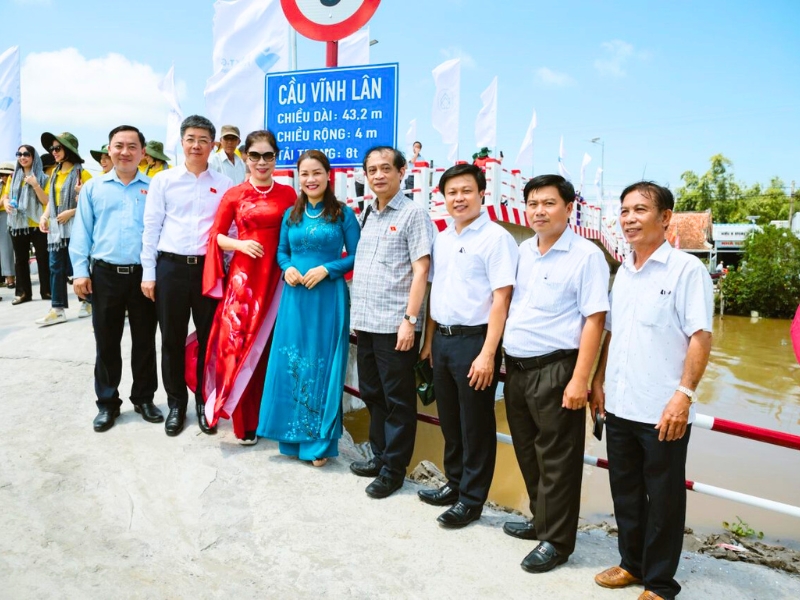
{"x":599,"y":421}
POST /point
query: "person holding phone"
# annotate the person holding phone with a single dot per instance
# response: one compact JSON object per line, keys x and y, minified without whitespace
{"x":553,"y":334}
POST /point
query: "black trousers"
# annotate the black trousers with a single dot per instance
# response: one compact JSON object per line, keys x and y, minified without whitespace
{"x":22,"y":268}
{"x":179,"y":296}
{"x":548,"y":442}
{"x":466,"y":416}
{"x":649,"y":491}
{"x":388,"y":388}
{"x":114,"y":293}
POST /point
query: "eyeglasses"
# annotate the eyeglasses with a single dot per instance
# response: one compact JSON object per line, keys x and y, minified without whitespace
{"x":257,"y":156}
{"x":55,"y":148}
{"x":24,"y":155}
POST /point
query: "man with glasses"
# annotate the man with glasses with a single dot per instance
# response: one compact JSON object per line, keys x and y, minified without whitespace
{"x":226,"y":161}
{"x":180,"y":210}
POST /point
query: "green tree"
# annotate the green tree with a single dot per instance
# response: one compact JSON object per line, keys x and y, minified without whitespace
{"x":770,"y":204}
{"x":768,"y":278}
{"x":715,"y":189}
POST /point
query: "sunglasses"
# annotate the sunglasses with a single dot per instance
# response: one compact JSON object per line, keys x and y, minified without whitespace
{"x":257,"y":156}
{"x":55,"y":149}
{"x":24,"y":155}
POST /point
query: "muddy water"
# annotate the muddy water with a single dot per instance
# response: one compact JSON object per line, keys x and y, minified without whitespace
{"x":753,"y":377}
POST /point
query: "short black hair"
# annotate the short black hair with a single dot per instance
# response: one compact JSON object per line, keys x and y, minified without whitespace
{"x":260,"y":135}
{"x":565,"y":189}
{"x":120,"y":128}
{"x":463,"y":169}
{"x":659,"y":194}
{"x":198,"y":122}
{"x":417,"y":142}
{"x":398,"y":160}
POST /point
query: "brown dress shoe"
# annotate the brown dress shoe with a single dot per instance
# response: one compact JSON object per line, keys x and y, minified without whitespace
{"x":615,"y":577}
{"x":648,"y":595}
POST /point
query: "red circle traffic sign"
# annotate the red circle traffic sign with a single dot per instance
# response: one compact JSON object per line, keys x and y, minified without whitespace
{"x":328,"y":20}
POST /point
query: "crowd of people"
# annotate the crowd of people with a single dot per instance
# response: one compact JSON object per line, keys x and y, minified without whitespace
{"x":260,"y":271}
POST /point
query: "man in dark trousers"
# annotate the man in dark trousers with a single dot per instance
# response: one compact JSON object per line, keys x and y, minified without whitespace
{"x":180,"y":211}
{"x":552,"y":337}
{"x":655,"y":352}
{"x":387,"y":301}
{"x":474,"y":266}
{"x":105,"y":250}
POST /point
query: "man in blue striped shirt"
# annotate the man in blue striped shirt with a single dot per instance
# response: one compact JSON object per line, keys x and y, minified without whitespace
{"x":105,"y":250}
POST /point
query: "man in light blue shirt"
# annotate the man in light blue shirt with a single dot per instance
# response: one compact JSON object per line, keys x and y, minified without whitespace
{"x":105,"y":251}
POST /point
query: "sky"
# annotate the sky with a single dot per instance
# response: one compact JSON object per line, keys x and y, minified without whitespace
{"x":664,"y":85}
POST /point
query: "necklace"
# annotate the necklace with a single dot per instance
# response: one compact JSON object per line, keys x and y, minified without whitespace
{"x":313,"y":216}
{"x":250,"y":181}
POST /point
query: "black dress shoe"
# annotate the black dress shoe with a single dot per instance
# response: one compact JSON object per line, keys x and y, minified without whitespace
{"x":201,"y":420}
{"x":105,"y":419}
{"x":174,"y":424}
{"x":20,"y":299}
{"x":543,"y":558}
{"x":149,"y":412}
{"x":524,"y":530}
{"x":444,"y":496}
{"x":384,"y":486}
{"x":366,"y":468}
{"x":459,"y":515}
{"x":47,"y":296}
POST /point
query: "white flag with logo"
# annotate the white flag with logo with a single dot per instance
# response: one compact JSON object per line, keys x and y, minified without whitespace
{"x":562,"y":169}
{"x":586,"y":160}
{"x":10,"y":109}
{"x":175,"y":116}
{"x":251,"y":38}
{"x":444,"y":116}
{"x":525,"y":156}
{"x":354,"y":49}
{"x":486,"y":123}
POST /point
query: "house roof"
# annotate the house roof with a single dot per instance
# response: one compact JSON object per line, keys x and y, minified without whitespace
{"x":691,"y":230}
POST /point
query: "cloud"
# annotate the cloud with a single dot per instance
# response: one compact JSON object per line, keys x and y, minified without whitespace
{"x":65,"y":87}
{"x":616,"y":55}
{"x":550,"y":78}
{"x":457,"y":52}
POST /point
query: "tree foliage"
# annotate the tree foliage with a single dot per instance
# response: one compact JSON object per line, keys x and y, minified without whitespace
{"x":729,"y":201}
{"x":768,"y":278}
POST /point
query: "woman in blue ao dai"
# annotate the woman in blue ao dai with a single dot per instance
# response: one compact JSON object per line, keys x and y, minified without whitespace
{"x":302,"y":403}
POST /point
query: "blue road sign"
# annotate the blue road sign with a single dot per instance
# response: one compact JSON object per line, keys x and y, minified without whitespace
{"x":342,"y":111}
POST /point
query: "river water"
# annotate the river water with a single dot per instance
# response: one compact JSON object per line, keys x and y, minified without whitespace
{"x":753,"y":377}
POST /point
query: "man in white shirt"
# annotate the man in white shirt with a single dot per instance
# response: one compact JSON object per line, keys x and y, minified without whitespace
{"x":473,"y":270}
{"x":226,"y":161}
{"x":655,"y":352}
{"x":553,"y":334}
{"x":180,"y":210}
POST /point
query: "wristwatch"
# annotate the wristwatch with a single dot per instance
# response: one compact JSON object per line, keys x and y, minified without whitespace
{"x":410,"y":319}
{"x":688,"y":392}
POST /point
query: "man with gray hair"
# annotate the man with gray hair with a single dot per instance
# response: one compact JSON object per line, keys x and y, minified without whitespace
{"x":181,"y":206}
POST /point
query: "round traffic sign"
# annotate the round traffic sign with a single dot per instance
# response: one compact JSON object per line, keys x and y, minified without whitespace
{"x":328,"y":20}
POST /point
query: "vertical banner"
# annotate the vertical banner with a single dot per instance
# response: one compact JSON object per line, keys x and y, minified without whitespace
{"x":251,"y":39}
{"x":562,"y":169}
{"x":167,"y":87}
{"x":354,"y":49}
{"x":525,"y":156}
{"x":486,"y":123}
{"x":444,"y":116}
{"x":10,"y":108}
{"x":586,"y":160}
{"x":411,"y":135}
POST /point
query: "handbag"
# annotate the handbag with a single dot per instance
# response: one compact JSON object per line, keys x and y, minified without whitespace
{"x":424,"y":376}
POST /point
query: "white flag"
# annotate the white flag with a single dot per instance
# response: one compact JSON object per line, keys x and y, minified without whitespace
{"x":444,"y":117}
{"x":175,"y":117}
{"x":10,"y":110}
{"x":598,"y":190}
{"x":486,"y":123}
{"x":251,"y":38}
{"x":354,"y":49}
{"x":411,"y":134}
{"x":525,"y":156}
{"x":586,"y":160}
{"x":562,"y":169}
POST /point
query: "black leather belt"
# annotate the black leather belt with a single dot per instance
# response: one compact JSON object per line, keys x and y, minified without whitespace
{"x":183,"y":259}
{"x":461,"y":329}
{"x":535,"y":362}
{"x":120,"y":269}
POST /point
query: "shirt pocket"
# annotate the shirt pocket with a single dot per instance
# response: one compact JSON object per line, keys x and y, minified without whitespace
{"x":549,"y":295}
{"x":655,"y":312}
{"x":469,"y":267}
{"x":391,"y":248}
